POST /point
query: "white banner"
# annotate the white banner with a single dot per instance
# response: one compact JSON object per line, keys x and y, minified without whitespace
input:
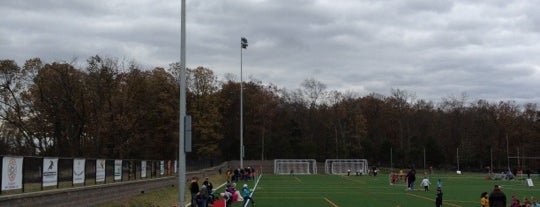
{"x":162,"y":167}
{"x":143,"y":169}
{"x":12,"y":173}
{"x":78,"y":171}
{"x":100,"y":170}
{"x":118,"y":170}
{"x":50,"y":172}
{"x":530,"y":182}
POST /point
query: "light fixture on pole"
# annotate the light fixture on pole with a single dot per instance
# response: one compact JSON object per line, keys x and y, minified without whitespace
{"x":243,"y":45}
{"x":182,"y":108}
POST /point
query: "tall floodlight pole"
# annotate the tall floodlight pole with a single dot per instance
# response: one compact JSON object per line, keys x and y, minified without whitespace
{"x":457,"y":157}
{"x":243,"y":45}
{"x":182,"y":109}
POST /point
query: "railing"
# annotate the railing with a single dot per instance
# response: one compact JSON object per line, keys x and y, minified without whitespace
{"x":31,"y":174}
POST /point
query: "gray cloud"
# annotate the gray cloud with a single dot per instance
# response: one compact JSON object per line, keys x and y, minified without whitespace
{"x":487,"y":49}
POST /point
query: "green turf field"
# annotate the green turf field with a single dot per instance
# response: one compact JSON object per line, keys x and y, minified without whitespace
{"x":334,"y":191}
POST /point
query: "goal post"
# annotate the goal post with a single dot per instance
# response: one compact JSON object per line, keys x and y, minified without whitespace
{"x":346,"y":166}
{"x":295,"y":166}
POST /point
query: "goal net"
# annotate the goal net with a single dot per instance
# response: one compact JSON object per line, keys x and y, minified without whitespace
{"x":344,"y":166}
{"x":295,"y":166}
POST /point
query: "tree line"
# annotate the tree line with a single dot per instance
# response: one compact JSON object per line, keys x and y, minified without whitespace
{"x":110,"y":108}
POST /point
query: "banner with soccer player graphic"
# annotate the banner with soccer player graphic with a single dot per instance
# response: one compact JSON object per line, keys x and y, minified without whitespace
{"x":100,"y":170}
{"x":50,"y":172}
{"x":12,"y":173}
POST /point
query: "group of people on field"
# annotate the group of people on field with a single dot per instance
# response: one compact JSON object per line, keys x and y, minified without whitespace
{"x":231,"y":194}
{"x":240,"y":174}
{"x":498,"y":199}
{"x":494,"y":199}
{"x":410,"y":179}
{"x":204,"y":195}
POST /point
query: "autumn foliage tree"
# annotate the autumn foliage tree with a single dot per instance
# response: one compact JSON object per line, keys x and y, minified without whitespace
{"x":115,"y":109}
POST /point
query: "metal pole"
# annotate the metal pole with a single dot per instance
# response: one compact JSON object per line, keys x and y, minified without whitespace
{"x":391,"y":160}
{"x":491,"y":160}
{"x":457,"y":157}
{"x":182,"y":110}
{"x":241,"y":112}
{"x":424,"y":159}
{"x":262,"y":147}
{"x":518,"y":164}
{"x":507,"y":154}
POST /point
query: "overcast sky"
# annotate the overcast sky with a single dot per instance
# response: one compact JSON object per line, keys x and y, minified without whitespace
{"x":487,"y":49}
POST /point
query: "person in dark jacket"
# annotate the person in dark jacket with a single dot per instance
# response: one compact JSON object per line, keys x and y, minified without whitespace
{"x":204,"y":196}
{"x":194,"y":189}
{"x":411,"y":178}
{"x":438,"y":199}
{"x":497,"y":198}
{"x":208,"y":184}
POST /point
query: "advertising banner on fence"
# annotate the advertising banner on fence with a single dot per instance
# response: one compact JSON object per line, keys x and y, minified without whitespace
{"x":162,"y":167}
{"x":143,"y":169}
{"x":78,"y":171}
{"x":12,"y":173}
{"x":118,"y":170}
{"x":100,"y":170}
{"x":50,"y":172}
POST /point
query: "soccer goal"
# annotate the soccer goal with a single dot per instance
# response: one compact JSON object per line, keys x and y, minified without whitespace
{"x":344,"y":166}
{"x":295,"y":166}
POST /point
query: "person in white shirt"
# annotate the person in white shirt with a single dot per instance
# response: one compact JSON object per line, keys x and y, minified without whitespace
{"x":426,"y":183}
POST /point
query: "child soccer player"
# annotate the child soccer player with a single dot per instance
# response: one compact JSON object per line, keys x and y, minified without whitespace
{"x":394,"y":178}
{"x":246,"y":192}
{"x":484,"y":202}
{"x":438,"y":199}
{"x":426,"y":183}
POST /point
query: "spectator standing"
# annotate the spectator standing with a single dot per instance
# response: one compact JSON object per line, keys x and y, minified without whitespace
{"x":497,"y":198}
{"x":534,"y":202}
{"x":204,"y":196}
{"x":229,"y":175}
{"x":236,"y":175}
{"x":526,"y":202}
{"x":208,"y":184}
{"x":194,"y":189}
{"x":515,"y":203}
